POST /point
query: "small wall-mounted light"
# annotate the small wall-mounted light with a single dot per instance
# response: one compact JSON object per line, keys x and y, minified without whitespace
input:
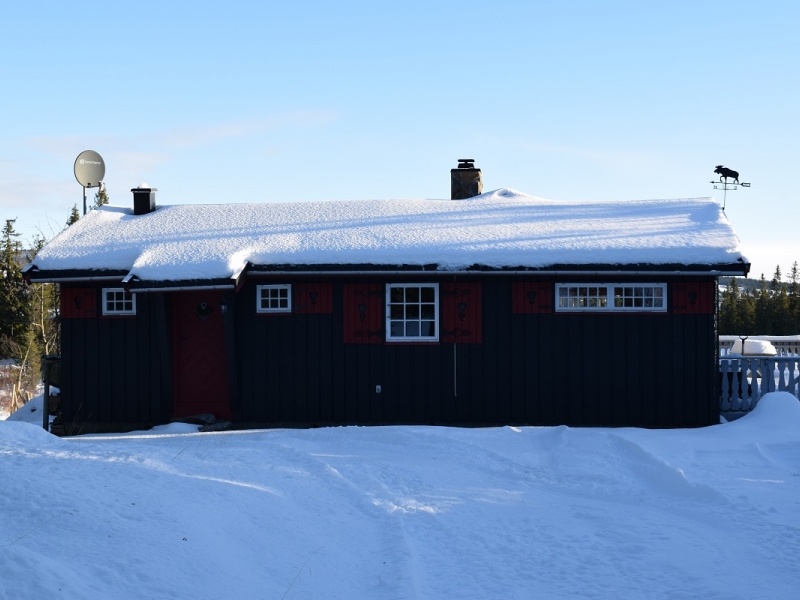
{"x":223,"y":307}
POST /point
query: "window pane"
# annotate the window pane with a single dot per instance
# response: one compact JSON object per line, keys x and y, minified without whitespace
{"x":411,"y":312}
{"x":274,"y":298}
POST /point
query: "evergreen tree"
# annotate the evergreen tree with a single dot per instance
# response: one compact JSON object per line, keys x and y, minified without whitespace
{"x":794,"y":299}
{"x":14,"y":293}
{"x":747,"y":313}
{"x":729,"y":323}
{"x":763,"y":318}
{"x":74,"y":215}
{"x":775,"y":283}
{"x":100,"y":198}
{"x":779,"y":313}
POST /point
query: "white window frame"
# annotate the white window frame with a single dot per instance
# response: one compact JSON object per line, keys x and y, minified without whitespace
{"x":389,"y":314}
{"x":114,"y":312}
{"x":271,"y":287}
{"x":634,"y":295}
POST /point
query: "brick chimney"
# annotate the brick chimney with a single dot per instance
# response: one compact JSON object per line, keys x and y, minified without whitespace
{"x":465,"y":181}
{"x":144,"y":199}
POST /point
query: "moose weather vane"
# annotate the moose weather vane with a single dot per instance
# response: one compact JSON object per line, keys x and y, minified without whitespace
{"x":727,"y":174}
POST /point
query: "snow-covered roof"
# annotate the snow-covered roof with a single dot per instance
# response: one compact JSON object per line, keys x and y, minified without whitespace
{"x":499,"y":229}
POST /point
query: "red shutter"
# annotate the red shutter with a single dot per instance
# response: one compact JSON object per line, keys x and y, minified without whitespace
{"x":79,"y":303}
{"x":532,"y":298}
{"x":693,"y":298}
{"x":462,"y":313}
{"x":363,"y":313}
{"x":312,"y":298}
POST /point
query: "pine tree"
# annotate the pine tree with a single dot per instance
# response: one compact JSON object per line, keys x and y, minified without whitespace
{"x":74,"y":215}
{"x":100,"y":198}
{"x":729,"y":310}
{"x":747,"y":313}
{"x":775,"y":284}
{"x":14,"y":292}
{"x":794,"y":300}
{"x":763,"y":318}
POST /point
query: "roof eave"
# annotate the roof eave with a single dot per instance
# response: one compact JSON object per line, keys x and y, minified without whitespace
{"x":736,"y":268}
{"x":33,"y":274}
{"x":133,"y":283}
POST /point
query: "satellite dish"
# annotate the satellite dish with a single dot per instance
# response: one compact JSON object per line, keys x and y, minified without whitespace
{"x":89,"y":169}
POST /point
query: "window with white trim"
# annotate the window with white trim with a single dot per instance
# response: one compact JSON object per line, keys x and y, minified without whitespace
{"x":117,"y":301}
{"x":611,"y":297}
{"x":274,"y":298}
{"x":412,"y":312}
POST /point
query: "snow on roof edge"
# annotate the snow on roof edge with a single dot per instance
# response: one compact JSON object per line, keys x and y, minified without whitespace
{"x":500,"y":229}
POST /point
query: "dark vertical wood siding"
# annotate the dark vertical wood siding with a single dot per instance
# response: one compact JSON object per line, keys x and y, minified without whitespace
{"x":113,"y":375}
{"x":531,"y":365}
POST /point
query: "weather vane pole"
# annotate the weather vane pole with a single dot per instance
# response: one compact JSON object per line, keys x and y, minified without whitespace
{"x":725,"y":173}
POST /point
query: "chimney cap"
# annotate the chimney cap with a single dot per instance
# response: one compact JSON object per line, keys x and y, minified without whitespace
{"x":143,"y":187}
{"x":466,"y":163}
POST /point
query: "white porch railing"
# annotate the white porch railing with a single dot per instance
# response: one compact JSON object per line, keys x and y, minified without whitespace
{"x":744,"y":380}
{"x":786,"y":345}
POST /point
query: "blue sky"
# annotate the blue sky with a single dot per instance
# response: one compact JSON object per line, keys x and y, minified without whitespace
{"x":265,"y":102}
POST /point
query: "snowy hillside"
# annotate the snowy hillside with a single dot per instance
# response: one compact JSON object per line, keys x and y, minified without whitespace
{"x":406,"y":512}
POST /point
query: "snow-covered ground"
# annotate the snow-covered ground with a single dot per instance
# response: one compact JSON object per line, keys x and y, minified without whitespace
{"x":405,"y":512}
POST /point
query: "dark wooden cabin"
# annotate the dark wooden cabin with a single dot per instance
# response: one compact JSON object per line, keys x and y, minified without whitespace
{"x":336,"y":342}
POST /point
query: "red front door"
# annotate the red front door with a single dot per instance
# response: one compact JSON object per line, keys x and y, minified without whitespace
{"x":201,"y":373}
